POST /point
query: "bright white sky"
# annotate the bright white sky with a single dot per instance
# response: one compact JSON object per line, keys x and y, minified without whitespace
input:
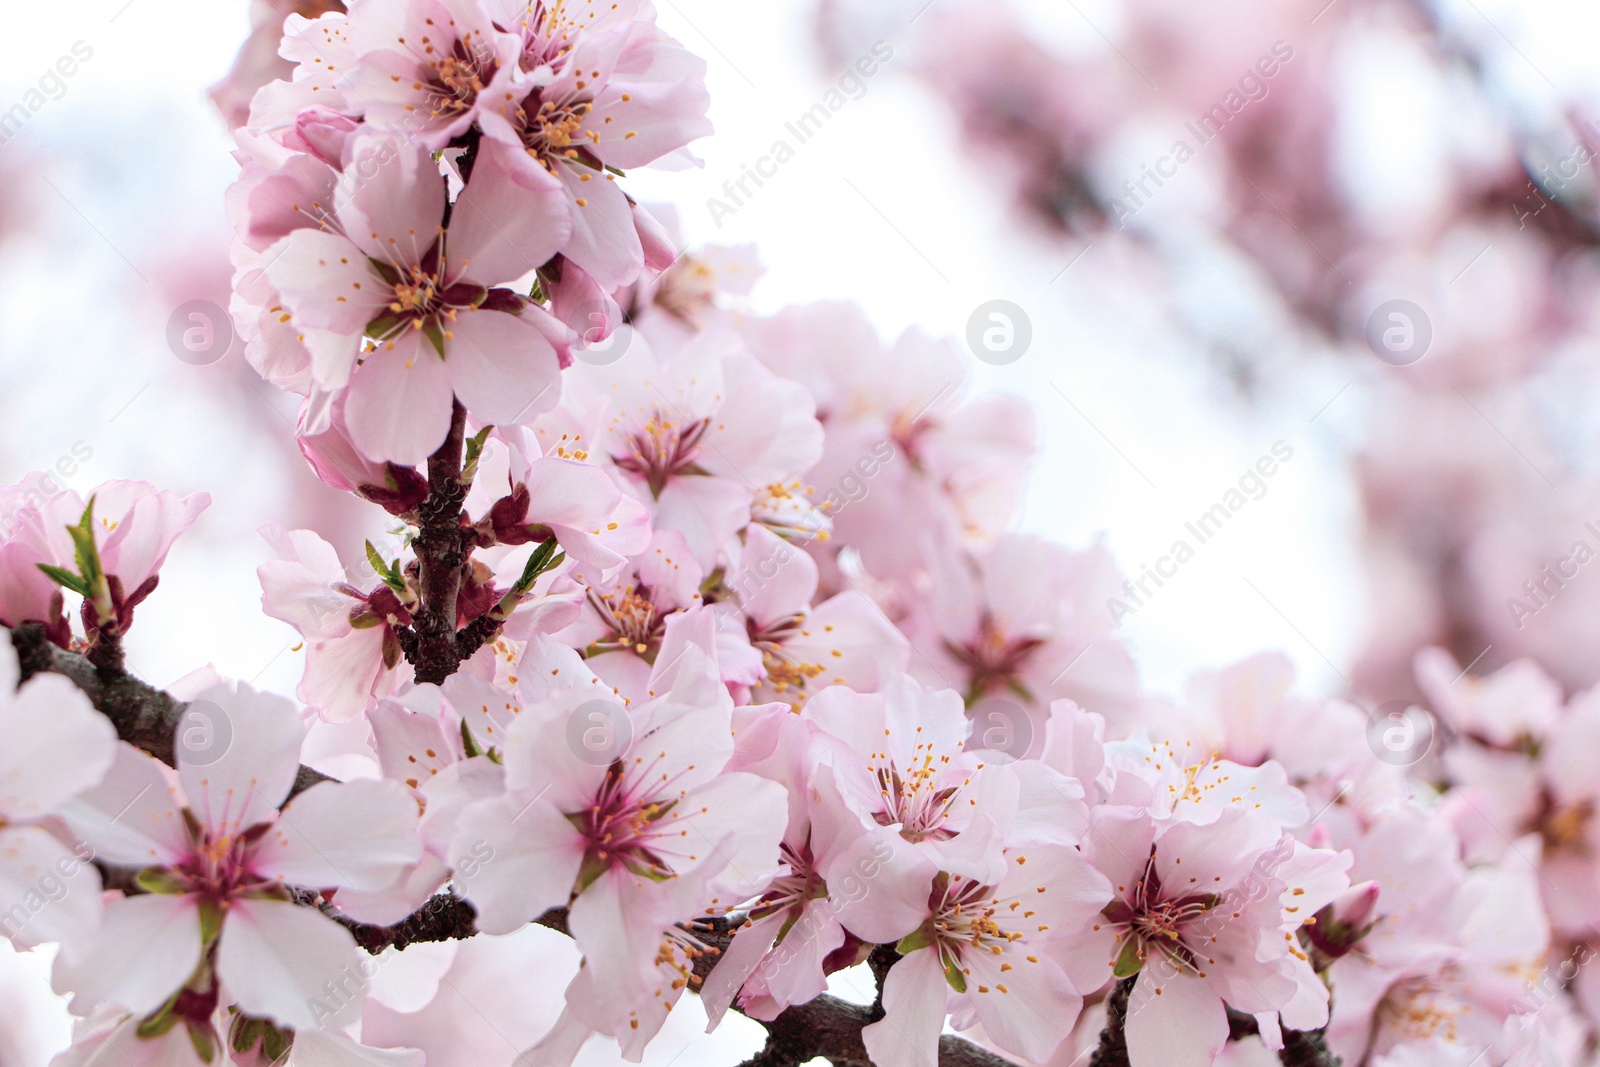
{"x":121,"y":182}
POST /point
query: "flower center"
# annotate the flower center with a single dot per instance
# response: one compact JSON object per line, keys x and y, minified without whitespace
{"x":553,"y":132}
{"x":661,"y":448}
{"x":634,"y":809}
{"x":459,"y":77}
{"x":1153,"y":923}
{"x":634,"y":621}
{"x":1564,"y":829}
{"x":992,"y":659}
{"x":784,"y":671}
{"x":218,"y":866}
{"x":914,"y":799}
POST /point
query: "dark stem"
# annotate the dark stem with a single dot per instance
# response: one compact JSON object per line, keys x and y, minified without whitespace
{"x":1113,"y":1048}
{"x":1301,"y":1048}
{"x":442,"y":548}
{"x":105,"y":652}
{"x":144,"y":716}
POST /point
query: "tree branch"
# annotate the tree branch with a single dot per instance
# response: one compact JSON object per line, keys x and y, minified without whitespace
{"x":1301,"y":1048}
{"x":441,"y":546}
{"x":1113,"y":1048}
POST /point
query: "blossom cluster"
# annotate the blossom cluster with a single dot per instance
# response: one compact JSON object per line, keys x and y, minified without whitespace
{"x":751,"y":679}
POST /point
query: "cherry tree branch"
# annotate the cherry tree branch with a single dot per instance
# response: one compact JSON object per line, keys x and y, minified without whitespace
{"x":144,"y":716}
{"x":442,"y":547}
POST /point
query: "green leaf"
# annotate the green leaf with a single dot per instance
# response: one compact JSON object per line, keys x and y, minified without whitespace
{"x":160,"y":880}
{"x":475,"y":444}
{"x":544,"y":559}
{"x":468,"y":745}
{"x":953,"y":975}
{"x":916,"y":939}
{"x":389,"y":573}
{"x":246,"y":1032}
{"x":162,"y":1021}
{"x":1128,"y":960}
{"x":469,"y":464}
{"x":435,"y":335}
{"x":204,"y":1041}
{"x":65,"y":579}
{"x":276,"y":1043}
{"x":210,"y":922}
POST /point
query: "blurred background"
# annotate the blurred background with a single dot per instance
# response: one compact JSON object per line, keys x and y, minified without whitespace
{"x":1354,"y":238}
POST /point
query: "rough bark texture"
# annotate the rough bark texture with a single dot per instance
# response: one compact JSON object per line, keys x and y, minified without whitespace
{"x":442,"y":548}
{"x":144,"y":716}
{"x":1113,"y":1048}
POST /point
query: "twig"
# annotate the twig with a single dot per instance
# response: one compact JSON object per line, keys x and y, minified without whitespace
{"x":441,"y":546}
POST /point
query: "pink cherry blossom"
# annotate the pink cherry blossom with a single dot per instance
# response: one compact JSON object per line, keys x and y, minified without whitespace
{"x":605,"y":90}
{"x":985,"y":953}
{"x":219,"y":855}
{"x":1205,"y":915}
{"x":413,"y":307}
{"x":638,"y":830}
{"x":352,"y":655}
{"x":845,"y":640}
{"x":692,"y":433}
{"x":60,"y":747}
{"x":1027,"y":618}
{"x":425,"y":66}
{"x":523,"y":495}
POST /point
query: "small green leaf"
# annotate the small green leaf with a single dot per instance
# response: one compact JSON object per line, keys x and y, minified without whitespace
{"x":914,"y":940}
{"x":435,"y":335}
{"x":1128,"y":960}
{"x":475,"y":444}
{"x":544,"y":559}
{"x":160,"y":880}
{"x":389,"y":573}
{"x":246,"y":1032}
{"x":210,"y":922}
{"x":953,"y":975}
{"x":204,"y":1041}
{"x":468,"y":745}
{"x":65,"y":578}
{"x":276,"y":1043}
{"x":83,"y":545}
{"x":469,"y":464}
{"x":162,"y":1021}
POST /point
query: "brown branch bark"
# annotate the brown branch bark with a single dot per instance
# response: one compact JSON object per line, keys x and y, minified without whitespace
{"x":441,"y":546}
{"x":144,"y":716}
